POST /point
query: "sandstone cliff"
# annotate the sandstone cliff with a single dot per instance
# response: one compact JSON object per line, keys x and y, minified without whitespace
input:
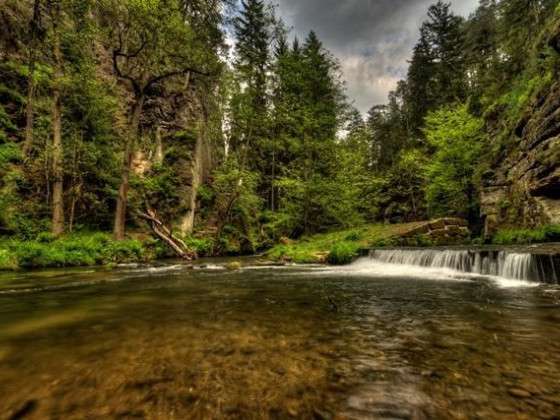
{"x":524,"y":189}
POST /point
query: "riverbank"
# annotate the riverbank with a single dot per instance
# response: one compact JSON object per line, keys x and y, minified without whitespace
{"x":340,"y":247}
{"x":344,"y":246}
{"x":76,"y":250}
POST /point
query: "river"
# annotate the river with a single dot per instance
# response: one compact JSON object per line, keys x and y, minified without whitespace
{"x":370,"y":340}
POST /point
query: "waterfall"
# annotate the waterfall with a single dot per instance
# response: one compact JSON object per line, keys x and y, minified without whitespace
{"x":512,"y":265}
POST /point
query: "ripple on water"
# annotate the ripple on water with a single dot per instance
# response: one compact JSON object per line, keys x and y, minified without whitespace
{"x":298,"y":342}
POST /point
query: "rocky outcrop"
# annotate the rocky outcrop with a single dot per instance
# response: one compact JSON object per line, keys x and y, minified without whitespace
{"x":446,"y":231}
{"x":524,"y":189}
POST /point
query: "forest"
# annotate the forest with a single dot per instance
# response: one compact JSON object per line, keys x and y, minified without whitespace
{"x":208,"y":122}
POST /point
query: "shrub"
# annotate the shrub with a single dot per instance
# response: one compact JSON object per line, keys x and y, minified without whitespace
{"x":548,"y":233}
{"x":353,"y":237}
{"x":71,"y":251}
{"x":7,"y":260}
{"x":45,"y":237}
{"x":204,"y":247}
{"x":343,"y":253}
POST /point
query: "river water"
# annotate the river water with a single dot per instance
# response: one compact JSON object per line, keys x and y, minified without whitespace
{"x":371,"y":340}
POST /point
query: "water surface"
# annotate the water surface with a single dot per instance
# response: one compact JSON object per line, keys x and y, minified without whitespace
{"x":367,"y":341}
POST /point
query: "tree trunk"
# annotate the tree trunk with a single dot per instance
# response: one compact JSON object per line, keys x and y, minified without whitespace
{"x":187,"y":224}
{"x":158,"y":157}
{"x":29,"y":106}
{"x":166,"y":235}
{"x":122,"y":199}
{"x":57,"y":150}
{"x":29,"y":109}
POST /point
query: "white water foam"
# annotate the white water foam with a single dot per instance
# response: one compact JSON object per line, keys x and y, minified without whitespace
{"x":504,"y":264}
{"x":371,"y":267}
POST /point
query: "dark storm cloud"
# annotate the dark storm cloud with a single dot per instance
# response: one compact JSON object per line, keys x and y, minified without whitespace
{"x":373,"y":39}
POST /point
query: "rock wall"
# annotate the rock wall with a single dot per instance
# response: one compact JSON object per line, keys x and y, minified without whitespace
{"x":525,"y":187}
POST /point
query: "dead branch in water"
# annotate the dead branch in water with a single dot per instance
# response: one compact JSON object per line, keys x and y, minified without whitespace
{"x":166,"y":235}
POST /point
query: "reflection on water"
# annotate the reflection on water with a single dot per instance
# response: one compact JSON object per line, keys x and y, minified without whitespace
{"x":366,"y":341}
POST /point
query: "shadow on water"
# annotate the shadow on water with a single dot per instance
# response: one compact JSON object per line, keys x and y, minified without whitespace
{"x":365,"y":341}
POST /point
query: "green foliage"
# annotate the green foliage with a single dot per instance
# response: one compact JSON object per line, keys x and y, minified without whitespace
{"x":71,"y":251}
{"x":7,"y":260}
{"x":456,"y":137}
{"x":298,"y":159}
{"x":548,"y":233}
{"x":397,"y":194}
{"x":316,"y":248}
{"x":204,"y":247}
{"x":353,"y":236}
{"x":237,"y":206}
{"x":518,"y":96}
{"x":6,"y":124}
{"x":343,"y":253}
{"x":9,"y":153}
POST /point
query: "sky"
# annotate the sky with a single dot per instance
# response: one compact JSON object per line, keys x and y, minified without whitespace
{"x":372,"y":39}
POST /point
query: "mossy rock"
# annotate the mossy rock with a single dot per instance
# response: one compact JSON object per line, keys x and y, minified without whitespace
{"x":233,"y":266}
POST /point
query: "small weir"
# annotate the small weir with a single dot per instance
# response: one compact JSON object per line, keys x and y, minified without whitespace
{"x":543,"y":268}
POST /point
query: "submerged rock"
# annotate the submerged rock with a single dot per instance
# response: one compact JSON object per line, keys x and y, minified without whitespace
{"x":233,"y":266}
{"x":26,"y":409}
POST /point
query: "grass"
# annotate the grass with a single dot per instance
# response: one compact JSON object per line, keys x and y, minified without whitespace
{"x":548,"y":233}
{"x":339,"y":247}
{"x":85,"y":249}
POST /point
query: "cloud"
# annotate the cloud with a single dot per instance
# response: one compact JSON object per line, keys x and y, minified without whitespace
{"x":373,"y":39}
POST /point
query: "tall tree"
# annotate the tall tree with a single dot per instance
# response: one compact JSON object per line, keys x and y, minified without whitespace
{"x":436,"y":74}
{"x":150,"y":43}
{"x":482,"y":49}
{"x":520,"y":23}
{"x":36,"y":32}
{"x":55,"y":14}
{"x":254,"y":34}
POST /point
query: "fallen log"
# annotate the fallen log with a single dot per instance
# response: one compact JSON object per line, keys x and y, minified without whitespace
{"x":166,"y":235}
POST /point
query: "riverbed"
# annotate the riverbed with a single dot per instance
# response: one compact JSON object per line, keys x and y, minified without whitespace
{"x":370,"y":340}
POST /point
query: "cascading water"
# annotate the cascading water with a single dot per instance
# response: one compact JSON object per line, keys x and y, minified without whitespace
{"x":512,"y":265}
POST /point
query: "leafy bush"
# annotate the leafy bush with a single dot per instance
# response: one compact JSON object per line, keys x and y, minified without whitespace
{"x":456,"y":137}
{"x":204,"y":247}
{"x":353,"y":236}
{"x":548,"y":233}
{"x":45,"y":238}
{"x":343,"y":253}
{"x":70,"y":251}
{"x":7,"y":260}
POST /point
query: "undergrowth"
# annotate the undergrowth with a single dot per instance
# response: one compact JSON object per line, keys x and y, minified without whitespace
{"x":548,"y":233}
{"x":85,"y":249}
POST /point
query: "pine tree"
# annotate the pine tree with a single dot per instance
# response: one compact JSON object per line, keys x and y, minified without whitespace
{"x":253,"y":30}
{"x":322,"y":94}
{"x":437,"y":71}
{"x":520,"y":24}
{"x":482,"y":51}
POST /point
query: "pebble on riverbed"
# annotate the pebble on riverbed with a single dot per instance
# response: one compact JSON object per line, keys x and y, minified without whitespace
{"x":519,"y":393}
